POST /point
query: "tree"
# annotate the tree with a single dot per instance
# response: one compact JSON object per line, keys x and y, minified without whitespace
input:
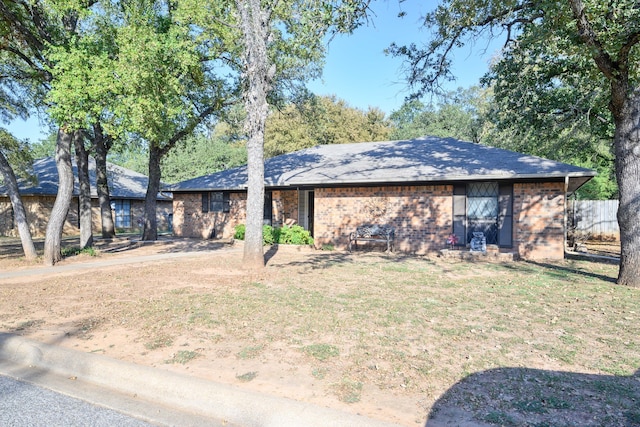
{"x":142,"y":55}
{"x":44,"y":148}
{"x":254,"y":20}
{"x":561,"y":114}
{"x":102,"y":144}
{"x":33,"y":32}
{"x":200,"y":155}
{"x":278,"y":40}
{"x":58,"y":216}
{"x":29,"y":28}
{"x":594,"y":40}
{"x":320,"y":120}
{"x":458,"y":114}
{"x":18,"y":152}
{"x":169,"y":88}
{"x":84,"y":196}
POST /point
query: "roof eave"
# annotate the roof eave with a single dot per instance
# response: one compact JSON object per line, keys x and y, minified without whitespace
{"x":422,"y":179}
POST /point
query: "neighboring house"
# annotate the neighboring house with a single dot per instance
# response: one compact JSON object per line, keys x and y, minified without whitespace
{"x":427,"y":189}
{"x":127,"y":190}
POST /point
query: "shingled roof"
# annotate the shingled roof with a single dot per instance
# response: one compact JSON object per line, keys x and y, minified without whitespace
{"x":123,"y":183}
{"x":422,"y":160}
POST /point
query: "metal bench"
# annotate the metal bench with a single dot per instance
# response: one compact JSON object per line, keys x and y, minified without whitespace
{"x":373,"y":233}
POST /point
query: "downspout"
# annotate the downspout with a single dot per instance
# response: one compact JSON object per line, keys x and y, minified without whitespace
{"x":564,"y":225}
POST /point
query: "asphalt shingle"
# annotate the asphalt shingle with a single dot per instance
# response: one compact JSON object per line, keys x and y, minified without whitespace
{"x":420,"y":160}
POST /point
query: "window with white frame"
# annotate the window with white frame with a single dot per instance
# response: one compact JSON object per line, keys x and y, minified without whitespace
{"x":122,"y":213}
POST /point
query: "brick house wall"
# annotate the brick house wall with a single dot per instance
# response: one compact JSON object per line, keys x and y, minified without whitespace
{"x":285,"y":207}
{"x":38,"y":210}
{"x":190,"y":221}
{"x":538,"y":220}
{"x":421,"y":215}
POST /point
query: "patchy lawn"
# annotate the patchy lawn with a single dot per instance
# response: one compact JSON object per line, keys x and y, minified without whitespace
{"x":391,"y":337}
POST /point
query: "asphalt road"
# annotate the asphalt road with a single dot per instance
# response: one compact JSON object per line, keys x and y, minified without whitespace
{"x":24,"y":404}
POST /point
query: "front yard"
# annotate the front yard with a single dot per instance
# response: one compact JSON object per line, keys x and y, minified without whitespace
{"x":390,"y":337}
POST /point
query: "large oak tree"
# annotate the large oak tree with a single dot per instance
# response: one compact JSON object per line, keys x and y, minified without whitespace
{"x":597,"y":39}
{"x":278,"y":40}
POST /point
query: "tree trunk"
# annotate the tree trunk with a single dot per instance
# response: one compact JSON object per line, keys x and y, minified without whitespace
{"x":258,"y":73}
{"x":253,"y":257}
{"x":84,"y":205}
{"x":627,"y":149}
{"x":19,"y":213}
{"x":55,"y":226}
{"x":150,"y":227}
{"x":102,"y":144}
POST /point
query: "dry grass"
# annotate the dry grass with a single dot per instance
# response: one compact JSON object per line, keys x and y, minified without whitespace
{"x":507,"y":344}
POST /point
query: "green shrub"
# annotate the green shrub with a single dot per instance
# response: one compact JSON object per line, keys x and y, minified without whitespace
{"x":73,"y":251}
{"x":268,"y":235}
{"x":240,"y":231}
{"x":294,"y":235}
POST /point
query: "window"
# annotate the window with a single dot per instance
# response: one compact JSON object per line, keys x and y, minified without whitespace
{"x":482,"y":210}
{"x":485,"y":207}
{"x":216,"y":201}
{"x":122,"y":213}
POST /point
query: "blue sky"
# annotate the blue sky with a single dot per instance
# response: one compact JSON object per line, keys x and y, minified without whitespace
{"x":358,"y":71}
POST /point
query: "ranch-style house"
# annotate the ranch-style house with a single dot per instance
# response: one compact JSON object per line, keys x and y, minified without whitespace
{"x":127,"y":192}
{"x":427,"y":189}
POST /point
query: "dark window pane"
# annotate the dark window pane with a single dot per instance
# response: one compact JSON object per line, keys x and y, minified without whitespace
{"x":216,"y":202}
{"x":482,"y":210}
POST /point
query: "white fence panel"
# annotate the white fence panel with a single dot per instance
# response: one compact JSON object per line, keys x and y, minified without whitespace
{"x":597,"y":217}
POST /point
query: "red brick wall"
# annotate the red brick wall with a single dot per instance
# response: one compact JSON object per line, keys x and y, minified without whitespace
{"x":421,"y":215}
{"x":287,"y":202}
{"x":190,"y":221}
{"x":538,"y":220}
{"x":38,"y":210}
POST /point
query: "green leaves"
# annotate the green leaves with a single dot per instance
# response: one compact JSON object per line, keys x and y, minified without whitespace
{"x":322,"y":120}
{"x":17,"y":154}
{"x":459,"y":115}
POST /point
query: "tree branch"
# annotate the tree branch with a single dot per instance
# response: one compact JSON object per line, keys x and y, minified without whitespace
{"x":605,"y":63}
{"x":188,"y":128}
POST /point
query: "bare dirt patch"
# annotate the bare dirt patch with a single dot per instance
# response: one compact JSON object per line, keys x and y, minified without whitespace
{"x":397,"y":338}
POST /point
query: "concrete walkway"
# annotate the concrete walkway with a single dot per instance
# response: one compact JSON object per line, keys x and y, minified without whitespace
{"x":111,"y":259}
{"x":106,"y":262}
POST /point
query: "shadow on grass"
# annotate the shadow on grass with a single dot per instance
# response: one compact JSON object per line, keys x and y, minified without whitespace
{"x":11,"y":247}
{"x":324,"y":259}
{"x":167,"y":244}
{"x":563,"y":269}
{"x":534,"y":397}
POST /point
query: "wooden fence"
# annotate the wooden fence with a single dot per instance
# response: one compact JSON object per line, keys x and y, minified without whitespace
{"x":596,"y":217}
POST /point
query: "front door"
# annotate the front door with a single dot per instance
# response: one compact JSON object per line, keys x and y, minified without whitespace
{"x":310,"y":204}
{"x":305,"y":209}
